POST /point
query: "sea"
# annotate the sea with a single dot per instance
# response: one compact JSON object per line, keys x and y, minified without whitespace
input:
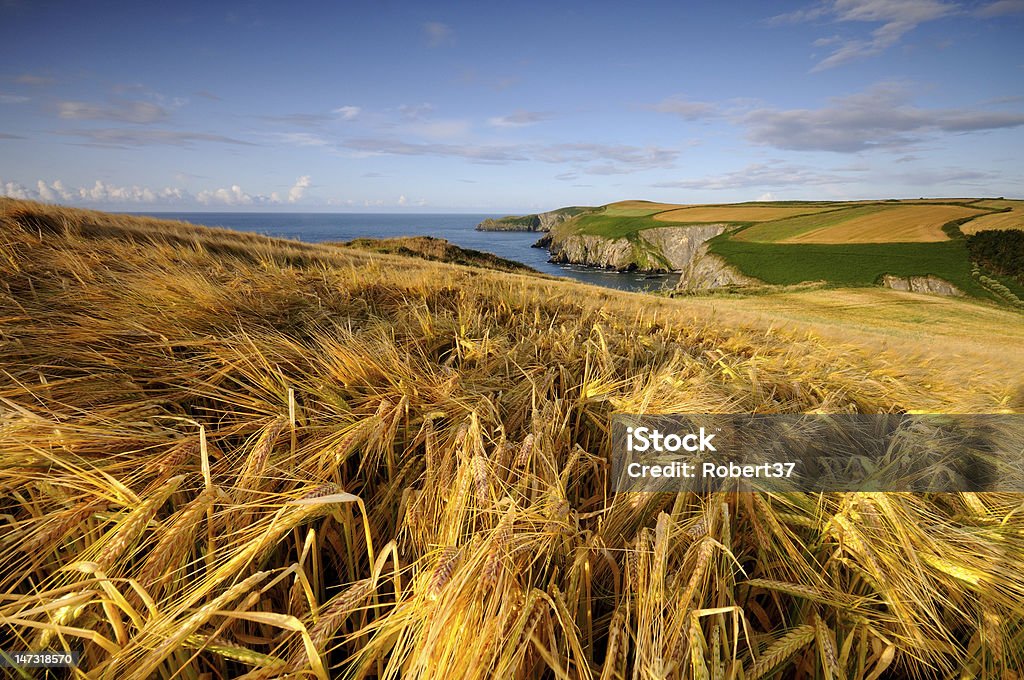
{"x":459,"y":229}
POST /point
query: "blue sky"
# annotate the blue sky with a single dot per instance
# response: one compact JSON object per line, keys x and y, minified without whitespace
{"x":434,"y":107}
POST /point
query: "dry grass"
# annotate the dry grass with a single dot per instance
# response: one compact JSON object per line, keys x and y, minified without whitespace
{"x":230,"y":456}
{"x":898,"y":224}
{"x":741,"y":213}
{"x":959,"y":340}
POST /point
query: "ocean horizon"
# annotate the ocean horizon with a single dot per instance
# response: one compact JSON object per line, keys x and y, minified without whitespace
{"x":457,"y":228}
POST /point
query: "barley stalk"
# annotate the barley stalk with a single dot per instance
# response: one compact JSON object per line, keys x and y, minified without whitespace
{"x":783,"y":648}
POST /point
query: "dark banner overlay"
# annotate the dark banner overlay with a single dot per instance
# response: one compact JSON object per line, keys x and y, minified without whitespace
{"x":818,"y":452}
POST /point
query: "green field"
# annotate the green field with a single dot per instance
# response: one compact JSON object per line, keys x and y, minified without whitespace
{"x":612,"y":226}
{"x":857,"y":264}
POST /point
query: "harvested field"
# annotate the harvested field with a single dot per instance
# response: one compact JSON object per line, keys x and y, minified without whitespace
{"x":876,"y":223}
{"x":1006,"y":220}
{"x":740,"y":213}
{"x":900,"y":224}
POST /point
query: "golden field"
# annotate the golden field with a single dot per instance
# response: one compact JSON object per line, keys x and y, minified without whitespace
{"x":897,"y":224}
{"x":637,"y":208}
{"x":1014,"y":219}
{"x":224,"y":455}
{"x":739,"y":213}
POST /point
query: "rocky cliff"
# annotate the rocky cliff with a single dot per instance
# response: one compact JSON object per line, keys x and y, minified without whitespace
{"x":590,"y":250}
{"x":677,"y":249}
{"x":921,"y":284}
{"x":711,"y":271}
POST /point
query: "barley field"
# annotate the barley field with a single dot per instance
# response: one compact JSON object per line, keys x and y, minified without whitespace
{"x":227,"y":456}
{"x":897,"y":224}
{"x":741,"y":213}
{"x":872,"y":223}
{"x":1013,"y":219}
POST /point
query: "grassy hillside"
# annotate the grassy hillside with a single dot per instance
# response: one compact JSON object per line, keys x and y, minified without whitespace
{"x":527,"y":222}
{"x":224,"y":455}
{"x":611,"y":224}
{"x":438,"y":250}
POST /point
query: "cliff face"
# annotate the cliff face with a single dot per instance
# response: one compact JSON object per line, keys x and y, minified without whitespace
{"x":540,"y":222}
{"x":589,"y":250}
{"x":711,"y":271}
{"x":680,"y":249}
{"x":921,"y":284}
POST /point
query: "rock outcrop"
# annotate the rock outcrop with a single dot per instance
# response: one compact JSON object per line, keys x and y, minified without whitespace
{"x":590,"y":251}
{"x":518,"y":223}
{"x":675,"y":249}
{"x":540,"y":222}
{"x":708,"y":271}
{"x":921,"y":284}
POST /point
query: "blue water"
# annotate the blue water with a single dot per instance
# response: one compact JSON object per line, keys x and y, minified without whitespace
{"x":457,"y":228}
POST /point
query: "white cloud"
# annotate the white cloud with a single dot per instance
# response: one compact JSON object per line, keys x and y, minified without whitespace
{"x":348,"y":112}
{"x":897,"y":18}
{"x":302,"y":119}
{"x":98,"y":192}
{"x":122,"y":110}
{"x":519,"y":119}
{"x":480,"y":153}
{"x":439,"y":129}
{"x":601,"y":159}
{"x":233,"y":196}
{"x":438,"y":34}
{"x":301,"y":139}
{"x":12,"y":99}
{"x":684,"y":108}
{"x":104,"y":193}
{"x":609,"y":159}
{"x":878,"y":118}
{"x":402,"y":200}
{"x":123,"y":137}
{"x":766,"y":196}
{"x":759,"y":176}
{"x":298,"y":190}
{"x":53,"y":192}
{"x":15,"y":190}
{"x":825,"y":42}
{"x":416,"y":111}
{"x":1001,"y":8}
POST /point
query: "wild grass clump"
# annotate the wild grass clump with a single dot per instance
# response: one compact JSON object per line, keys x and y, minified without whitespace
{"x":293,"y":461}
